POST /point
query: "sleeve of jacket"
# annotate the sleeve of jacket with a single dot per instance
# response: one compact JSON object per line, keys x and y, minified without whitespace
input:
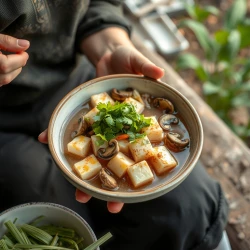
{"x":100,"y":15}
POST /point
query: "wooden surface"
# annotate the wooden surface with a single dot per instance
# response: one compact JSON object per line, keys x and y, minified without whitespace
{"x":225,"y":156}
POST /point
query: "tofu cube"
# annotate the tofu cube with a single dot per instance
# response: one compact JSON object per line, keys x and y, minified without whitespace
{"x":95,"y":146}
{"x":123,"y":145}
{"x":140,"y":174}
{"x":139,"y":107}
{"x":162,"y":160}
{"x":88,"y":167}
{"x":102,"y":97}
{"x":154,"y":131}
{"x":89,"y":117}
{"x":141,"y":149}
{"x":119,"y":164}
{"x":80,"y":145}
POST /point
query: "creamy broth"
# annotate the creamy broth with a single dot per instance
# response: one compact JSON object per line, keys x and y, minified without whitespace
{"x":124,"y":183}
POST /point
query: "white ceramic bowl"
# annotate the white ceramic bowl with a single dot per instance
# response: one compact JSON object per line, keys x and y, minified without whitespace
{"x":73,"y":101}
{"x":54,"y":214}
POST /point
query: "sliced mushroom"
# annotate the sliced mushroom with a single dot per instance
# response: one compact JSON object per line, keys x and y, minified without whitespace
{"x":174,"y":141}
{"x":82,"y":128}
{"x":110,"y":151}
{"x":120,"y":95}
{"x":163,"y":104}
{"x":107,"y":180}
{"x":166,"y":120}
{"x":146,"y":99}
{"x":136,"y":95}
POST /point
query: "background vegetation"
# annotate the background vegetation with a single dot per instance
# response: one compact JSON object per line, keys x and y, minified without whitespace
{"x":223,"y":70}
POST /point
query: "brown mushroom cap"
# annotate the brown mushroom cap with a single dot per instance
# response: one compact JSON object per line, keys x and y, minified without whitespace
{"x":110,"y":151}
{"x":173,"y":140}
{"x":82,"y":128}
{"x":120,"y":95}
{"x":166,"y":120}
{"x":163,"y":104}
{"x":107,"y":180}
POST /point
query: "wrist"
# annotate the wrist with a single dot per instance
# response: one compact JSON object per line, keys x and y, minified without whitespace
{"x":105,"y":41}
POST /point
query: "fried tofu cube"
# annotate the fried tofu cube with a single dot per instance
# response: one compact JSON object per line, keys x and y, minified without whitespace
{"x":80,"y":145}
{"x":154,"y":131}
{"x":102,"y":97}
{"x":139,"y":107}
{"x":89,"y":117}
{"x":119,"y":164}
{"x":95,"y":145}
{"x":141,"y":149}
{"x":123,"y":146}
{"x":162,"y":160}
{"x":140,"y":174}
{"x":88,"y":167}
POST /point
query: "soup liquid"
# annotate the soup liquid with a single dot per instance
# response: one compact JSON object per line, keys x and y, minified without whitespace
{"x":124,"y":183}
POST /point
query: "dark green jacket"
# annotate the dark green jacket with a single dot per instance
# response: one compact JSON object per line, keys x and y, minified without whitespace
{"x":54,"y":29}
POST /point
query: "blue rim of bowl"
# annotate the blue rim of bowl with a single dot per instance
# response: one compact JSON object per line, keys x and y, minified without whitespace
{"x":49,"y":204}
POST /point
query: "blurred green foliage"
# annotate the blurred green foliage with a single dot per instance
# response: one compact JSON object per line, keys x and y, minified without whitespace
{"x":225,"y":76}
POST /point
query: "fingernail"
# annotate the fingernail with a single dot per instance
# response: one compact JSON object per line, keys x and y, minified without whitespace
{"x":23,"y":43}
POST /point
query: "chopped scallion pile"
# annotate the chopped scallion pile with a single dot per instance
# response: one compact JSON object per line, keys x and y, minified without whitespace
{"x":49,"y":237}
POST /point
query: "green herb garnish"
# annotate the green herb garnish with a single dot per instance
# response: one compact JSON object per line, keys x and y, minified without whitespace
{"x":116,"y":119}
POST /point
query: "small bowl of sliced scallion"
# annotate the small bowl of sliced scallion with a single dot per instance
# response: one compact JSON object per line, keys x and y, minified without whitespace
{"x":46,"y":226}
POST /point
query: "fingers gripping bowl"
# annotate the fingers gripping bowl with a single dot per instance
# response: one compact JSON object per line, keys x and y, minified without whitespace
{"x":65,"y":125}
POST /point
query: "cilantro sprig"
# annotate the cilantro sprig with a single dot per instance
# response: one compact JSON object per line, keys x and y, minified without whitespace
{"x":119,"y":118}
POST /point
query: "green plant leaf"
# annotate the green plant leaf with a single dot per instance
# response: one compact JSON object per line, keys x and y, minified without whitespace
{"x":189,"y":61}
{"x":201,"y":13}
{"x":246,"y":21}
{"x":221,"y":37}
{"x":229,"y":48}
{"x":233,"y":45}
{"x":245,"y":71}
{"x":235,"y":14}
{"x":241,"y":100}
{"x":245,"y":35}
{"x":245,"y":86}
{"x":201,"y":34}
{"x":210,"y":88}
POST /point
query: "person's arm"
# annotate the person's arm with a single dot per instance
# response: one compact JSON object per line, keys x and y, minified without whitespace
{"x":112,"y":52}
{"x":104,"y":41}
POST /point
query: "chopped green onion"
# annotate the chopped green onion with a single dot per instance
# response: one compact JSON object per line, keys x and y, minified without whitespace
{"x":25,"y":237}
{"x":37,"y":234}
{"x":37,"y":220}
{"x":31,"y":237}
{"x":99,"y":242}
{"x":23,"y":246}
{"x":55,"y":240}
{"x":3,"y":245}
{"x":60,"y":231}
{"x":71,"y":242}
{"x":8,"y":241}
{"x":14,"y":232}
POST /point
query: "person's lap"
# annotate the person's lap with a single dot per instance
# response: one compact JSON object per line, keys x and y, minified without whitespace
{"x":192,"y":216}
{"x":181,"y":219}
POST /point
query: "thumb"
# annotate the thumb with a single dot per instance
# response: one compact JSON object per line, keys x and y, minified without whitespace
{"x":12,"y":44}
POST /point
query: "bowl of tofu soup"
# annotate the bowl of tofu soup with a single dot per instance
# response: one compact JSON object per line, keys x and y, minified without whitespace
{"x":125,"y":138}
